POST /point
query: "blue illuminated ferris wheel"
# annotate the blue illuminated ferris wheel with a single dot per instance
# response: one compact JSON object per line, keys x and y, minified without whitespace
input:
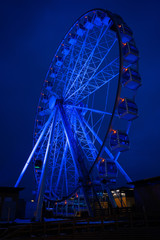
{"x":85,"y":109}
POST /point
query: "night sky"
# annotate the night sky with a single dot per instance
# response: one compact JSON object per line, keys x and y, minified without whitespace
{"x":31,"y":31}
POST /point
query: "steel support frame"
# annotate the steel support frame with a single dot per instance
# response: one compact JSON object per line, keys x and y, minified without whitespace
{"x":77,"y":158}
{"x":34,"y":149}
{"x":90,"y":145}
{"x":106,"y":187}
{"x":42,"y":182}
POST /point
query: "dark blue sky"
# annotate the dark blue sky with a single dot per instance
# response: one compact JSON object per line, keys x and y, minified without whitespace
{"x":30,"y":34}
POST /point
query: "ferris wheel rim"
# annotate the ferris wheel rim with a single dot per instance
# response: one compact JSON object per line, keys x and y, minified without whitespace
{"x":120,"y":66}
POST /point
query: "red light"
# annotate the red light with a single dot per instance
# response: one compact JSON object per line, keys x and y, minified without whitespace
{"x":125,"y":69}
{"x":114,"y":131}
{"x":122,"y":99}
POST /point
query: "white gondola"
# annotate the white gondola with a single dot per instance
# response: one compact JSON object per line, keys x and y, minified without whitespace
{"x":131,"y":79}
{"x":52,"y":73}
{"x":44,"y":98}
{"x":127,"y":109}
{"x":107,"y":169}
{"x":48,"y":85}
{"x":119,"y":141}
{"x":65,"y":50}
{"x":101,"y":18}
{"x":59,"y":61}
{"x":98,"y":19}
{"x":80,"y":30}
{"x":39,"y":124}
{"x":72,"y":39}
{"x":125,"y":32}
{"x":130,"y":52}
{"x":88,"y":23}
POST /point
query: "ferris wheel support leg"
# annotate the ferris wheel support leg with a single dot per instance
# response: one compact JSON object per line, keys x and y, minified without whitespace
{"x":111,"y":198}
{"x":89,"y":142}
{"x":76,"y":156}
{"x":34,"y":149}
{"x":41,"y":186}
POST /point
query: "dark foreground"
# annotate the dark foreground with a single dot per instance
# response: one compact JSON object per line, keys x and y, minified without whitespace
{"x":114,"y":227}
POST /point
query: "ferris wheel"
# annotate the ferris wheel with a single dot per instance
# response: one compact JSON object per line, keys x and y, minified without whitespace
{"x":85,"y":108}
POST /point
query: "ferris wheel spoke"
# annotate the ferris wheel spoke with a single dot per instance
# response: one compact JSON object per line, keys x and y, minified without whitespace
{"x":78,"y":59}
{"x":98,"y":139}
{"x":109,"y":67}
{"x":68,"y":68}
{"x":93,"y":125}
{"x":87,"y":62}
{"x":87,"y":88}
{"x":91,"y":88}
{"x":61,"y":166}
{"x":101,"y":61}
{"x":89,"y":142}
{"x":89,"y":109}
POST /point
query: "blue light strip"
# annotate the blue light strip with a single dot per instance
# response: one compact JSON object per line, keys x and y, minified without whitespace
{"x":34,"y":149}
{"x":41,"y":186}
